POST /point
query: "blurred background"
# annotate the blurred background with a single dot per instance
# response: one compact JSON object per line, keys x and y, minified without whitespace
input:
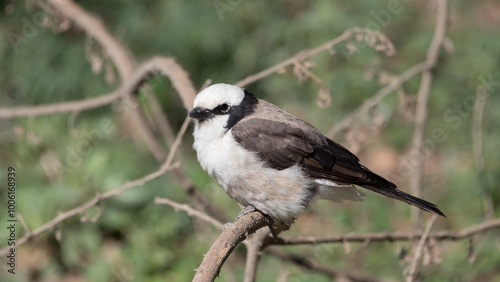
{"x":129,"y":238}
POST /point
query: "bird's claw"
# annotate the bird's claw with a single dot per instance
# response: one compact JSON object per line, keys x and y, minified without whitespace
{"x":244,"y":211}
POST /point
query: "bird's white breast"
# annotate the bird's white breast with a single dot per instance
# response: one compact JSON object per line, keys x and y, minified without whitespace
{"x":281,"y":194}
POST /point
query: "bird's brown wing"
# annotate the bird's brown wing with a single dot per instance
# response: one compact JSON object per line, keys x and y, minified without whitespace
{"x":282,"y":144}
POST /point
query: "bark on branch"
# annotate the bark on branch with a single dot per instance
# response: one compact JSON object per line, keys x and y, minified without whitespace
{"x":233,"y":234}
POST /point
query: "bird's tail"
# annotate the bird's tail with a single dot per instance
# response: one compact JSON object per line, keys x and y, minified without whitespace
{"x":391,"y":191}
{"x":414,"y":201}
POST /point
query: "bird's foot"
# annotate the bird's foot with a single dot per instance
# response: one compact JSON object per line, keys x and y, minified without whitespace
{"x":244,"y":211}
{"x":275,"y":237}
{"x":249,"y":209}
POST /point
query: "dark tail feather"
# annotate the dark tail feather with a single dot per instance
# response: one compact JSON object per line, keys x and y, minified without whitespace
{"x":389,"y":189}
{"x":414,"y":201}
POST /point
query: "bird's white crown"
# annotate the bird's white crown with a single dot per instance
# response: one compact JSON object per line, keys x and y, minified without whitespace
{"x":219,"y":94}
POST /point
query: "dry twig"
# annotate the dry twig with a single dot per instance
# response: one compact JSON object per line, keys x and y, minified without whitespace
{"x":328,"y":46}
{"x":477,"y":149}
{"x":412,"y":271}
{"x":375,"y":100}
{"x":132,"y":78}
{"x":315,"y":266}
{"x":167,"y":165}
{"x":164,"y":65}
{"x":94,"y":27}
{"x":254,"y":245}
{"x":190,"y":211}
{"x":124,"y":62}
{"x":56,"y":108}
{"x":421,"y":106}
{"x":395,"y":236}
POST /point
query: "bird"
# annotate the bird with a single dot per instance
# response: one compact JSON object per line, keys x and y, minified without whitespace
{"x":272,"y":161}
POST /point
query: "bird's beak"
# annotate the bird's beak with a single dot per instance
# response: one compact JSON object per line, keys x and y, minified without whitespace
{"x":200,"y":114}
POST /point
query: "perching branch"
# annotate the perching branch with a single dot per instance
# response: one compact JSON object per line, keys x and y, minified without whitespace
{"x":133,"y":78}
{"x":233,"y":234}
{"x":367,"y":238}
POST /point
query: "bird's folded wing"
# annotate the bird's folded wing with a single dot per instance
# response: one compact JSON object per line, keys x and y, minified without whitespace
{"x":279,"y":144}
{"x":284,"y":144}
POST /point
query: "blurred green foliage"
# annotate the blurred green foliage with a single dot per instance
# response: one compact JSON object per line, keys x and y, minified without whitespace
{"x":135,"y":240}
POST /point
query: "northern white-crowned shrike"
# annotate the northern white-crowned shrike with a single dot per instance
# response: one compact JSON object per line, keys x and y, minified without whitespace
{"x":268,"y":159}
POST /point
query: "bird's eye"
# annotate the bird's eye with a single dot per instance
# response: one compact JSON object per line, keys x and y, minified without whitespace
{"x":224,"y":108}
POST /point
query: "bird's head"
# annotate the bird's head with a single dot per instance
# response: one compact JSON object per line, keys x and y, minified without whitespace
{"x":221,"y":106}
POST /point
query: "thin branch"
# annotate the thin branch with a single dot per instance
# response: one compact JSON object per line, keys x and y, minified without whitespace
{"x":231,"y":236}
{"x":315,"y":266}
{"x":395,"y":236}
{"x":124,"y":62}
{"x":366,"y":238}
{"x":254,"y":251}
{"x":477,"y":149}
{"x":164,"y":65}
{"x":254,"y":245}
{"x":324,"y":98}
{"x":328,"y":46}
{"x":444,"y":235}
{"x":94,"y":27}
{"x":167,"y":165}
{"x":156,"y":115}
{"x":122,"y":59}
{"x":178,"y":140}
{"x":181,"y":82}
{"x":375,"y":99}
{"x":190,"y":211}
{"x":309,"y":74}
{"x":187,"y":92}
{"x":410,"y":277}
{"x":23,"y":224}
{"x":57,"y":108}
{"x":421,"y":107}
{"x":171,"y":69}
{"x":299,"y":56}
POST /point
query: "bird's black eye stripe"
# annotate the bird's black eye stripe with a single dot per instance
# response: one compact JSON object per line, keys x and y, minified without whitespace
{"x":222,"y":109}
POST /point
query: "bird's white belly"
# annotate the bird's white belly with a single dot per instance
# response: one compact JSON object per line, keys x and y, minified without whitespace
{"x":281,"y":194}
